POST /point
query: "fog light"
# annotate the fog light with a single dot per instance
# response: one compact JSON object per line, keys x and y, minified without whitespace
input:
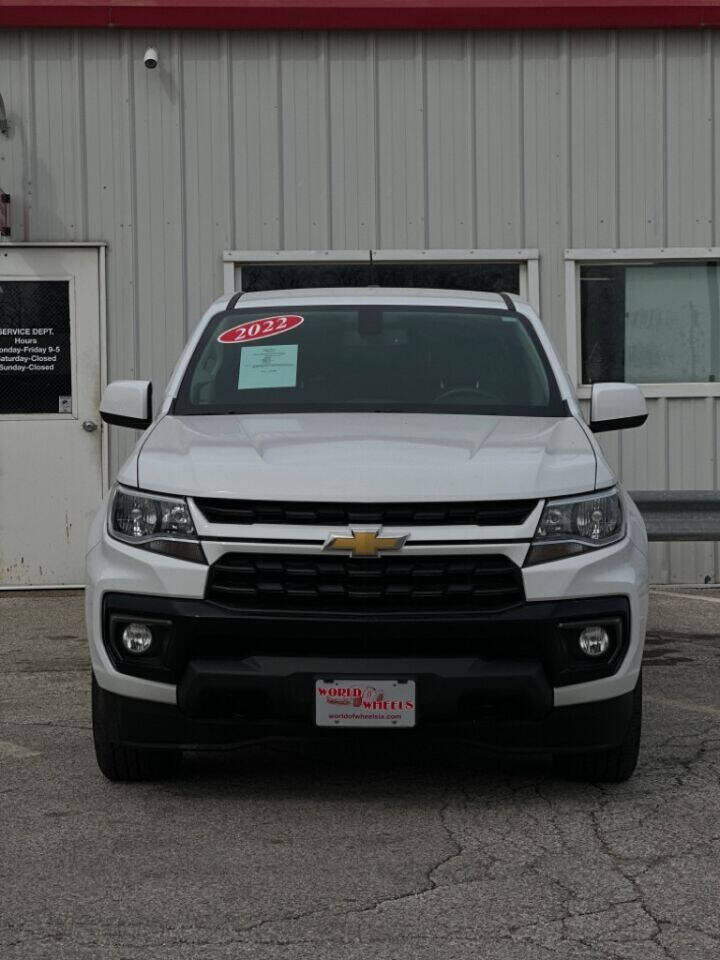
{"x":594,"y":641}
{"x":137,"y":638}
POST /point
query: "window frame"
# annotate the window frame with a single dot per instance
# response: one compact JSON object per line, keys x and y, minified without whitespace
{"x":576,"y":258}
{"x":527,"y":260}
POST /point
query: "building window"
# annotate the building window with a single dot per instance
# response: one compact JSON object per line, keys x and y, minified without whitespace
{"x":495,"y":277}
{"x":650,"y":323}
{"x":495,"y":271}
{"x":647,"y":316}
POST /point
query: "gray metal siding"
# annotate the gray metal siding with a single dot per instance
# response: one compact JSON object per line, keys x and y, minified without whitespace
{"x":313,"y":141}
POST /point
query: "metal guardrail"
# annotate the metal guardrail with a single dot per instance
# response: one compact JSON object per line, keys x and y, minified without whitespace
{"x":679,"y":514}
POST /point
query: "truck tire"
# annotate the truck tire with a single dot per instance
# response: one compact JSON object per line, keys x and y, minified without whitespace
{"x":613,"y":765}
{"x":123,"y":763}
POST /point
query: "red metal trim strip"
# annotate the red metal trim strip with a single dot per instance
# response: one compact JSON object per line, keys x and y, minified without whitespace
{"x":361,"y":14}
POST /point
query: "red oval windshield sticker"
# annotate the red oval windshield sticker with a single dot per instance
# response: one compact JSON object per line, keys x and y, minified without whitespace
{"x":257,"y":329}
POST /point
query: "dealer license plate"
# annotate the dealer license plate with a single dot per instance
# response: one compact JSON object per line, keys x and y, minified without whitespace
{"x":365,"y":703}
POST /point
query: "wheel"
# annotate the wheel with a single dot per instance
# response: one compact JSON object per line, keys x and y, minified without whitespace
{"x":614,"y":765}
{"x":122,"y":763}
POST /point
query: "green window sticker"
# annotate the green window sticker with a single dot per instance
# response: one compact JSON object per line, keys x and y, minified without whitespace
{"x":267,"y":367}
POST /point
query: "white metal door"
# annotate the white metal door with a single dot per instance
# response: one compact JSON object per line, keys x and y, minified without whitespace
{"x":50,"y":439}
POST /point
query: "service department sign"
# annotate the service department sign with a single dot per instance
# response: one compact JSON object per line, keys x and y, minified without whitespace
{"x":35,"y":360}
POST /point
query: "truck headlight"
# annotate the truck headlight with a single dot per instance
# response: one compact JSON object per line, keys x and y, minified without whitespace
{"x":160,"y":524}
{"x":576,"y":525}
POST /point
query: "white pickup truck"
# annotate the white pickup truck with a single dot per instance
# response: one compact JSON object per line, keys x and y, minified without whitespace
{"x":368,"y":512}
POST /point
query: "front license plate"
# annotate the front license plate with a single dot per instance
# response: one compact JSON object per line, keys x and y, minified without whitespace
{"x":365,"y":703}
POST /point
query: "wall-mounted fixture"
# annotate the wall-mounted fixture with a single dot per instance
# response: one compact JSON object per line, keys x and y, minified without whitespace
{"x":151,"y":58}
{"x":4,"y":126}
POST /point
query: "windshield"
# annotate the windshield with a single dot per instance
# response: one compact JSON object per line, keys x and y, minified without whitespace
{"x":369,"y":358}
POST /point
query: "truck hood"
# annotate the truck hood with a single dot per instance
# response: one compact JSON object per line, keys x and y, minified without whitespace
{"x":364,"y":457}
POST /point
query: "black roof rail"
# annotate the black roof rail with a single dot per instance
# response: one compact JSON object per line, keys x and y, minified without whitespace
{"x":233,"y":300}
{"x":508,"y":301}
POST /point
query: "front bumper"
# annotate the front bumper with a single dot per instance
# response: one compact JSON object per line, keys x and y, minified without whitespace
{"x":593,"y":584}
{"x":582,"y":727}
{"x":238,"y":677}
{"x":260,"y":666}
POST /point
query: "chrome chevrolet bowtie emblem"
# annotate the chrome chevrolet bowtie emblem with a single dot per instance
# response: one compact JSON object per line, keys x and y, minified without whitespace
{"x":364,"y":543}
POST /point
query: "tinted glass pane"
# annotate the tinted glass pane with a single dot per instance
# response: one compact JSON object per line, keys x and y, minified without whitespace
{"x":650,"y":323}
{"x":294,"y":276}
{"x":35,"y":367}
{"x":369,"y":358}
{"x":494,"y":277}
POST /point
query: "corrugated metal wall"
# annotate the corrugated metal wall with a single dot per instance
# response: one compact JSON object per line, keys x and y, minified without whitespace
{"x":315,"y":141}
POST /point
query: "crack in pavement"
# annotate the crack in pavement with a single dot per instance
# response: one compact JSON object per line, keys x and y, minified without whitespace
{"x":430,"y":884}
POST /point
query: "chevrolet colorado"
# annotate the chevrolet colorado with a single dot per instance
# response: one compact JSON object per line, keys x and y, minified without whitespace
{"x":365,"y":510}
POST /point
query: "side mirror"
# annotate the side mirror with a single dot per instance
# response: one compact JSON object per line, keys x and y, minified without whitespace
{"x":616,"y":406}
{"x":127,"y":403}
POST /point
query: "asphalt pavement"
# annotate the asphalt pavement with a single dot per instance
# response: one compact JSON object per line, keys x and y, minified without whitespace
{"x":278,"y":853}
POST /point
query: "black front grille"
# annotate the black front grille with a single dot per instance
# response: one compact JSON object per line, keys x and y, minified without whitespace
{"x":253,"y":581}
{"x":482,"y":513}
